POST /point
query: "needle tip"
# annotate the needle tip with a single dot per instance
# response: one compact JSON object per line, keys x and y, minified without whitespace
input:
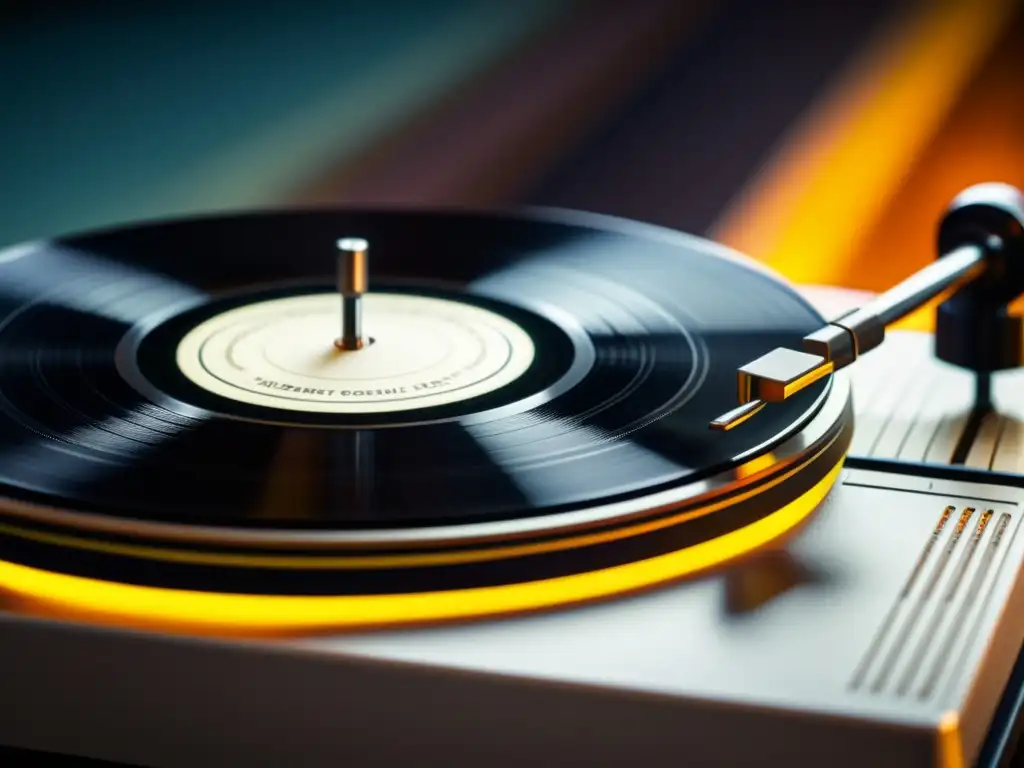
{"x":737,"y":416}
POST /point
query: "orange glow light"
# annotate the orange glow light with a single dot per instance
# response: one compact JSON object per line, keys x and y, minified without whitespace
{"x":61,"y":595}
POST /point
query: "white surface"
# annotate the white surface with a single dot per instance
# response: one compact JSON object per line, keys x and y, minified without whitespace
{"x":799,"y":649}
{"x":913,"y":407}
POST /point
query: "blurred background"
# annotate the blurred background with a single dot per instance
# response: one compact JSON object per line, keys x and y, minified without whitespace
{"x":822,"y":138}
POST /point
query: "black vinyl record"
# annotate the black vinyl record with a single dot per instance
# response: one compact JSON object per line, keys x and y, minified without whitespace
{"x":637,"y":333}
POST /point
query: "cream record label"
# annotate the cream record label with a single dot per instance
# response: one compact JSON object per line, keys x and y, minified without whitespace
{"x":423,"y":352}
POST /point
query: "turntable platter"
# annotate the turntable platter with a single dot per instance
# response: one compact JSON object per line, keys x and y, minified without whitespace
{"x":534,"y":404}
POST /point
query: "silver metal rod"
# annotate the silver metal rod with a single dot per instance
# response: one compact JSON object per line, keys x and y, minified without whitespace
{"x":351,"y":322}
{"x":353,"y":282}
{"x":949,"y":272}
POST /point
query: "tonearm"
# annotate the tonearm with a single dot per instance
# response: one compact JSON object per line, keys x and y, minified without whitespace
{"x":980,"y":270}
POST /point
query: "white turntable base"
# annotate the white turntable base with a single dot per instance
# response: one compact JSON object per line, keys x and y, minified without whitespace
{"x":699,"y":673}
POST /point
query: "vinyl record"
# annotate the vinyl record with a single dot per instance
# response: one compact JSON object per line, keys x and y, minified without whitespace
{"x":179,"y":380}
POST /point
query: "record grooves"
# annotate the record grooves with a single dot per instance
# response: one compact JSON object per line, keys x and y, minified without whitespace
{"x":175,"y":411}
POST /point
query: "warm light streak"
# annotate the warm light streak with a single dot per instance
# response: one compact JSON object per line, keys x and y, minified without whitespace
{"x":813,"y":204}
{"x":49,"y":593}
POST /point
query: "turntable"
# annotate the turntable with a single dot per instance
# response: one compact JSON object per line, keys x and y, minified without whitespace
{"x":419,"y":487}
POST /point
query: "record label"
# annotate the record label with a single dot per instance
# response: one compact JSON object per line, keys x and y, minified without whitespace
{"x":425,"y":352}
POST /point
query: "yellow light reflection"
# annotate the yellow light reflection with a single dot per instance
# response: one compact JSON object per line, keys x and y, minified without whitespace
{"x":74,"y":597}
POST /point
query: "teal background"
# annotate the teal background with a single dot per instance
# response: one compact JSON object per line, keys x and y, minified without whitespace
{"x":169,"y":109}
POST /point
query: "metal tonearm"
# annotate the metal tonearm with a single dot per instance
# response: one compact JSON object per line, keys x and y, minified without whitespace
{"x":980,"y":270}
